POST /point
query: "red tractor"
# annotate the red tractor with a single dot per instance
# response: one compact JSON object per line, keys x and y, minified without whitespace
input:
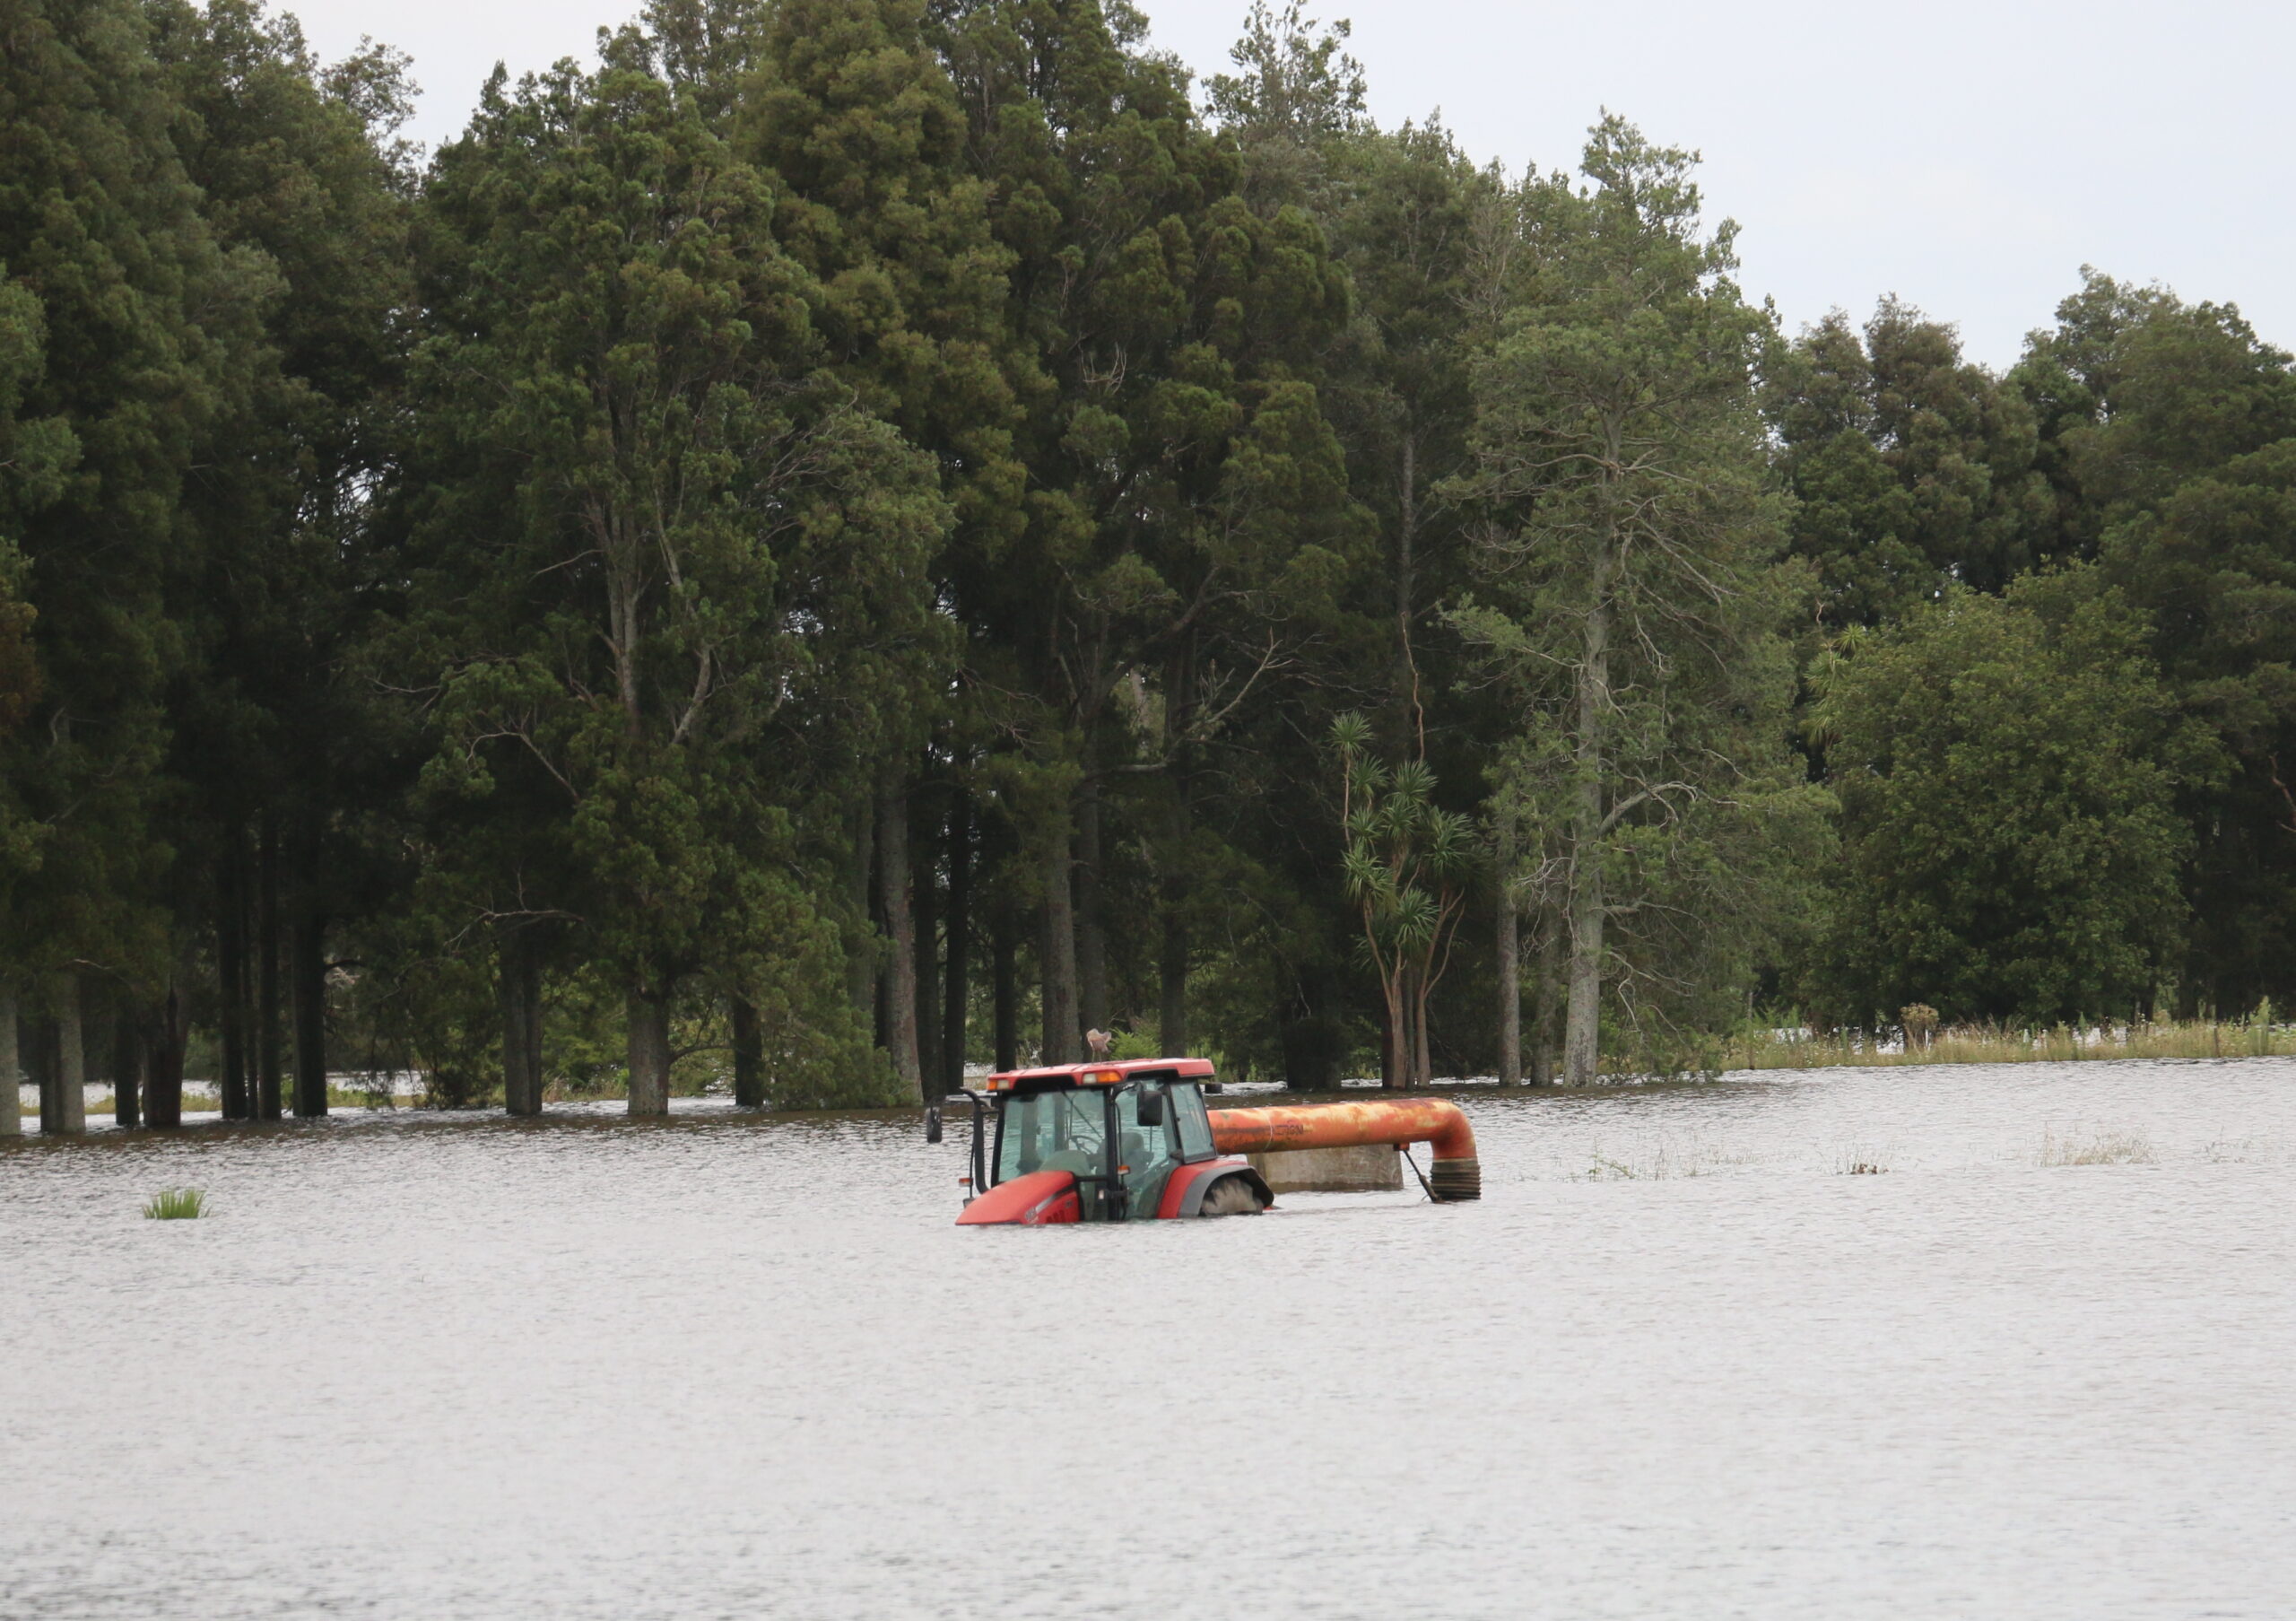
{"x":1134,"y":1141}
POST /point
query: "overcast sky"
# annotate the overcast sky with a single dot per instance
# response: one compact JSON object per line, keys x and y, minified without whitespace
{"x":1969,"y":157}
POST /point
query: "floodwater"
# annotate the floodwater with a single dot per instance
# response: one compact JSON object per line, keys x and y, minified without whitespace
{"x":1675,"y":1365}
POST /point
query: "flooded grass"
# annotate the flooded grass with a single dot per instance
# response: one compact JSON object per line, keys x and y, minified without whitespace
{"x":2096,"y":1148}
{"x":176,"y":1205}
{"x":2255,"y":1036}
{"x":1665,"y":1160}
{"x":2234,"y":1151}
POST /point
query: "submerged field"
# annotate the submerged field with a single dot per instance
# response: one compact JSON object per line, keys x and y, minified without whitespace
{"x":2002,"y":1341}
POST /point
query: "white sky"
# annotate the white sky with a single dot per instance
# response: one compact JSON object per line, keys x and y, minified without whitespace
{"x":1968,"y":156}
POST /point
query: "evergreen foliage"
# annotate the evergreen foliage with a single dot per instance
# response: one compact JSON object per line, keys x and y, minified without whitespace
{"x":847,"y":537}
{"x":1632,"y":592}
{"x":2007,"y":768}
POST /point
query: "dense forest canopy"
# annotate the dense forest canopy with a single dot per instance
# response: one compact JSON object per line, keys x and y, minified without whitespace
{"x":852,"y":537}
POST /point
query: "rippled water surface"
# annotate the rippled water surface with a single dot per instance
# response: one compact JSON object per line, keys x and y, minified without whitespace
{"x":1675,"y":1365}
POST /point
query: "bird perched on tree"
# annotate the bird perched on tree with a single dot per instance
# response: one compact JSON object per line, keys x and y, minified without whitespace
{"x":1098,"y":1041}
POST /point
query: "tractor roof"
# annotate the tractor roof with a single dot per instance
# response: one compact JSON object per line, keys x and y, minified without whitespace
{"x":1103,"y":1072}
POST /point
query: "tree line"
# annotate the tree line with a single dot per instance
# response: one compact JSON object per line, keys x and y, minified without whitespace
{"x":854,"y":536}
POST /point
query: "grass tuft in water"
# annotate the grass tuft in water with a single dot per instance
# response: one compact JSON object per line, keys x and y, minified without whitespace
{"x":1664,"y":1160}
{"x":2098,"y":1149}
{"x":176,"y":1205}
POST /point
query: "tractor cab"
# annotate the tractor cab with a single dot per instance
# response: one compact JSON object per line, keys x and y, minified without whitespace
{"x":1100,"y":1142}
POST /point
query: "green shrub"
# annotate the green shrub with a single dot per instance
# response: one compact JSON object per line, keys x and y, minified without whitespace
{"x":176,"y":1205}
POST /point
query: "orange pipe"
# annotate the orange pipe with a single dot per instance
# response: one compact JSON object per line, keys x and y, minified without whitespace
{"x":1457,"y":1174}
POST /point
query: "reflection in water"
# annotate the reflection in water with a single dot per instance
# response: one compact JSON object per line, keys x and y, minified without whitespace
{"x":1674,"y":1365}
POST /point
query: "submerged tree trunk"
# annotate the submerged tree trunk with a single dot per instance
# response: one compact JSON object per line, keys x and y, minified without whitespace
{"x":1005,"y":990}
{"x":1173,"y":889}
{"x":307,"y":998}
{"x":232,"y":980}
{"x":1062,"y":1033}
{"x":12,"y":1097}
{"x":1395,"y":1031}
{"x":37,"y":1052}
{"x":1091,"y":943}
{"x":925,"y":924}
{"x":70,"y":1113}
{"x":954,"y":988}
{"x":521,"y":988}
{"x":749,"y":1056}
{"x":126,"y":1062}
{"x":267,"y":1050}
{"x":650,"y":1050}
{"x":1539,"y":1037}
{"x":900,"y":998}
{"x":1507,"y":950}
{"x":1582,"y":1031}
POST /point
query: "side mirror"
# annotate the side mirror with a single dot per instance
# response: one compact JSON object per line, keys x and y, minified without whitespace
{"x":1151,"y":1105}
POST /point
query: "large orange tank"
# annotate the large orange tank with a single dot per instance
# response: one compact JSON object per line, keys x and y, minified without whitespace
{"x":1457,"y":1173}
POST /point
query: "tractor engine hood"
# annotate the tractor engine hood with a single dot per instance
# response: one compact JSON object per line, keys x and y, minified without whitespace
{"x":1457,"y":1173}
{"x":1038,"y":1200}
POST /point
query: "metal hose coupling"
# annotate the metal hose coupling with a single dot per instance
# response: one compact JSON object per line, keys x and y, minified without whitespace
{"x":1453,"y":1182}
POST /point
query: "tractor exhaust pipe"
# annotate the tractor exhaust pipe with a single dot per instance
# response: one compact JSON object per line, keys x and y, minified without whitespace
{"x":1456,"y":1175}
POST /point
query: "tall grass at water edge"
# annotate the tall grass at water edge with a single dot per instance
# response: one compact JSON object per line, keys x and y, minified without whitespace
{"x":2255,"y":1036}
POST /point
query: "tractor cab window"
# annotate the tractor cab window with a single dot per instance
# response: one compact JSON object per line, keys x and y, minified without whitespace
{"x":1065,"y":1130}
{"x":1144,"y":1150}
{"x":1193,"y":1123}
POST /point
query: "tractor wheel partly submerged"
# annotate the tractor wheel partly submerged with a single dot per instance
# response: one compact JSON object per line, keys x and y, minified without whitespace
{"x":1230,"y":1196}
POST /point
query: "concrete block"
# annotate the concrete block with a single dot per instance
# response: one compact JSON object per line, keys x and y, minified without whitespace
{"x":1373,"y":1168}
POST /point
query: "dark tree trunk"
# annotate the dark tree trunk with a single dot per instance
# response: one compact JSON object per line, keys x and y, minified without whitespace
{"x":12,"y":1097}
{"x":126,"y":1062}
{"x":1005,"y":990}
{"x":231,"y":978}
{"x":1091,"y":943}
{"x":520,"y":964}
{"x":164,"y":1040}
{"x":898,"y":997}
{"x":861,"y":961}
{"x":749,"y":1056}
{"x":650,"y":1050}
{"x":1315,"y":1038}
{"x":306,"y":996}
{"x":267,"y":1049}
{"x":1061,"y":1034}
{"x":925,"y":924}
{"x":955,"y":991}
{"x":1171,"y":967}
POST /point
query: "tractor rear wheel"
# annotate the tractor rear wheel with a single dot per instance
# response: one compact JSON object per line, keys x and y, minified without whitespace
{"x":1230,"y":1196}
